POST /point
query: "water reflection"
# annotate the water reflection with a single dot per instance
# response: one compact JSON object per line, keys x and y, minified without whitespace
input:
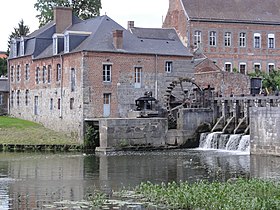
{"x":29,"y":181}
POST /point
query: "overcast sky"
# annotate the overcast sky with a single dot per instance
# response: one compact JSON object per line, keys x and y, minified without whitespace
{"x":145,"y":13}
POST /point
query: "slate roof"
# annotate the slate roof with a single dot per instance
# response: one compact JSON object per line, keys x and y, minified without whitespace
{"x":138,"y":40}
{"x":259,"y":11}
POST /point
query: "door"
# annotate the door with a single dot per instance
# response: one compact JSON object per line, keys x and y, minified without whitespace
{"x":106,"y":104}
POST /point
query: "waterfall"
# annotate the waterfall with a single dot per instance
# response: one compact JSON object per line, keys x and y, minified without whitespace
{"x":231,"y":142}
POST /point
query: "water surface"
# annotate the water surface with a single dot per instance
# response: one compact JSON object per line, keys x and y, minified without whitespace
{"x":31,"y":180}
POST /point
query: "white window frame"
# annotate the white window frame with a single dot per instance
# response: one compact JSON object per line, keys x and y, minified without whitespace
{"x":269,"y":38}
{"x":197,"y":37}
{"x":26,"y":97}
{"x":138,"y":70}
{"x":268,"y":66}
{"x":18,"y":73}
{"x":27,"y":71}
{"x":58,"y":72}
{"x":213,"y":38}
{"x":168,"y":66}
{"x":44,"y":76}
{"x":37,"y":75}
{"x":73,"y":79}
{"x":228,"y":63}
{"x":227,"y":39}
{"x":257,"y":40}
{"x":14,"y":48}
{"x":242,"y":39}
{"x":49,"y":74}
{"x":21,"y":52}
{"x":257,"y":64}
{"x":66,"y":42}
{"x":245,"y":64}
{"x":107,"y":72}
{"x":55,"y":38}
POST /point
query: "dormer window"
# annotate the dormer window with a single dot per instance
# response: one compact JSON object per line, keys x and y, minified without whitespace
{"x":14,"y":48}
{"x":66,"y":42}
{"x":21,"y":47}
{"x":57,"y":48}
{"x":55,"y":45}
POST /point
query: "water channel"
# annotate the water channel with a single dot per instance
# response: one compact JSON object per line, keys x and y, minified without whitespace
{"x":30,"y":180}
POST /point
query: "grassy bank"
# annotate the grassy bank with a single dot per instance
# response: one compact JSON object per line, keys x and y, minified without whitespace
{"x":238,"y":194}
{"x":22,"y":132}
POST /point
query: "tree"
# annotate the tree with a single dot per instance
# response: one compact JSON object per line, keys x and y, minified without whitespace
{"x":84,"y":9}
{"x":21,"y":30}
{"x":270,"y":81}
{"x":3,"y":66}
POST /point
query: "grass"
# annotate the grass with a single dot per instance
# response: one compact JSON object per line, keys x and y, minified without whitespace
{"x":23,"y":132}
{"x":239,"y":194}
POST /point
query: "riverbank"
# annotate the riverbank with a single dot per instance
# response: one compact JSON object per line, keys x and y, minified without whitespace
{"x":18,"y":133}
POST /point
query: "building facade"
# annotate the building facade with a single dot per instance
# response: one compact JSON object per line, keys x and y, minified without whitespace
{"x":240,"y":36}
{"x":71,"y":70}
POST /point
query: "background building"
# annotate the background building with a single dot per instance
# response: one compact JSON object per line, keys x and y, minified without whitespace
{"x":241,"y":36}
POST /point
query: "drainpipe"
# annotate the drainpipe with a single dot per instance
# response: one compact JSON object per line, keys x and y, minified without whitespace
{"x":156,"y":77}
{"x":9,"y":84}
{"x":61,"y":87}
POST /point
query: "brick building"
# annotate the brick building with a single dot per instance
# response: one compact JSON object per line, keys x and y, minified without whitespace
{"x":71,"y":70}
{"x":238,"y":35}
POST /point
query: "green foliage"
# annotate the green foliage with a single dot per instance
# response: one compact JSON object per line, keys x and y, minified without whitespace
{"x":91,"y":137}
{"x":270,"y":81}
{"x":97,"y":199}
{"x":3,"y":66}
{"x":21,"y":30}
{"x":236,"y":194}
{"x":235,"y":70}
{"x":84,"y":9}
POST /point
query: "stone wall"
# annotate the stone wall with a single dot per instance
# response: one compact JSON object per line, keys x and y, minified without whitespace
{"x":120,"y":132}
{"x":264,"y":130}
{"x":188,"y":121}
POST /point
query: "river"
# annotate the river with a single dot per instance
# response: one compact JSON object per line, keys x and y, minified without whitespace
{"x":31,"y":180}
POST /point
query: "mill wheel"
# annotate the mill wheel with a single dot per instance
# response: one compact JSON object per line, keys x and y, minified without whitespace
{"x":179,"y":94}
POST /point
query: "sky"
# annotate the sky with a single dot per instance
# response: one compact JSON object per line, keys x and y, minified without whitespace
{"x":144,"y":13}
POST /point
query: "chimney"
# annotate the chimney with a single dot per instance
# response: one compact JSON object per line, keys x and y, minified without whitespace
{"x":118,"y":39}
{"x":130,"y":24}
{"x":62,"y":18}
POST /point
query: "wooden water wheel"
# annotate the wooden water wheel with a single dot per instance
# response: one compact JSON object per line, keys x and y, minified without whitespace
{"x":180,"y":93}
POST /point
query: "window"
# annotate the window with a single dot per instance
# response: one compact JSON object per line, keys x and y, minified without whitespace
{"x":58,"y":104}
{"x":18,"y":93}
{"x":12,"y":73}
{"x":107,"y":70}
{"x":228,"y":67}
{"x":197,"y":38}
{"x":71,"y":103}
{"x":212,"y":38}
{"x":271,"y":41}
{"x":271,"y":67}
{"x":44,"y":74}
{"x":27,"y":71}
{"x":73,"y":79}
{"x":227,"y":39}
{"x":51,"y":104}
{"x":26,"y":97}
{"x":55,"y":45}
{"x":58,"y":72}
{"x":242,"y":39}
{"x":1,"y":99}
{"x":36,"y":105}
{"x":257,"y":67}
{"x":257,"y":40}
{"x":168,"y":66}
{"x":138,"y":77}
{"x":242,"y":68}
{"x":66,"y":43}
{"x":37,"y":75}
{"x":49,"y":73}
{"x":18,"y":73}
{"x":21,"y":47}
{"x":12,"y":98}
